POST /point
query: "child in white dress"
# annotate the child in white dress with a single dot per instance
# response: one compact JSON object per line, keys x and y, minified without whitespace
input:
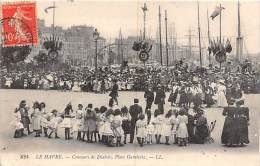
{"x":167,"y":126}
{"x":182,"y":131}
{"x":96,"y":132}
{"x":78,"y":121}
{"x":175,"y":124}
{"x":16,"y":123}
{"x":150,"y":131}
{"x":100,"y":122}
{"x":141,"y":133}
{"x":157,"y":122}
{"x":54,"y":122}
{"x":36,"y":119}
{"x":116,"y":126}
{"x":44,"y":121}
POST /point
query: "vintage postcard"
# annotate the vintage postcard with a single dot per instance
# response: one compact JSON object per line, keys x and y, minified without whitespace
{"x":128,"y":83}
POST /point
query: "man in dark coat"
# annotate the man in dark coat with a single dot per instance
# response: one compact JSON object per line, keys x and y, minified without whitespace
{"x":149,"y":96}
{"x":114,"y":92}
{"x":134,"y":111}
{"x":159,"y":99}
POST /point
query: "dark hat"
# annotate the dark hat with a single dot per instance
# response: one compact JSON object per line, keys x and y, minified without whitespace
{"x":232,"y":101}
{"x":136,"y":101}
{"x":54,"y":111}
{"x":90,"y":105}
{"x":240,"y":102}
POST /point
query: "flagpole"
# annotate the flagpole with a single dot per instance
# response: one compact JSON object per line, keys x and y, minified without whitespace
{"x":160,"y":35}
{"x":208,"y":34}
{"x":53,"y":19}
{"x":166,"y":39}
{"x":199,"y":34}
{"x":220,"y":23}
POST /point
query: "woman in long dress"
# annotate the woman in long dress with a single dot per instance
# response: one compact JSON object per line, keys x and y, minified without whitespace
{"x":235,"y":130}
{"x":201,"y":128}
{"x":221,"y":94}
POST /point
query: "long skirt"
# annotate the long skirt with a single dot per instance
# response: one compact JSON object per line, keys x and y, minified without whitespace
{"x":221,"y":100}
{"x":201,"y":133}
{"x":243,"y":130}
{"x":235,"y":131}
{"x":227,"y":132}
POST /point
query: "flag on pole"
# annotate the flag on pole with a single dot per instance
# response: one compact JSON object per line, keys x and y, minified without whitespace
{"x":216,"y":12}
{"x":50,"y":7}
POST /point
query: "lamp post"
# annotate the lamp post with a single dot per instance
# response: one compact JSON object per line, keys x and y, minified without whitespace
{"x":95,"y":37}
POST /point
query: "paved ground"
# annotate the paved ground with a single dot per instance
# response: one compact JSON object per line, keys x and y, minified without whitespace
{"x":9,"y":99}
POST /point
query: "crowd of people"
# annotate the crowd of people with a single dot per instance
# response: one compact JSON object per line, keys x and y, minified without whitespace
{"x":135,"y":79}
{"x":110,"y":125}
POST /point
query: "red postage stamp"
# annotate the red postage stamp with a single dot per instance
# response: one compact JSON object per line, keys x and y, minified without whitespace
{"x":19,"y":25}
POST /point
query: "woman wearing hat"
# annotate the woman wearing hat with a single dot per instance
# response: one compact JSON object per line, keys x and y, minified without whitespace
{"x":160,"y":97}
{"x":221,"y":94}
{"x":201,"y":127}
{"x":114,"y":92}
{"x":243,"y":118}
{"x":235,"y":130}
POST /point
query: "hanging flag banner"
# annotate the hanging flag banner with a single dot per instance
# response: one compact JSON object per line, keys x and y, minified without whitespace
{"x":216,"y":12}
{"x":50,"y":7}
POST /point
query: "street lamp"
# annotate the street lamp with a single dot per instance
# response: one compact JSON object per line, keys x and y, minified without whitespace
{"x":96,"y":37}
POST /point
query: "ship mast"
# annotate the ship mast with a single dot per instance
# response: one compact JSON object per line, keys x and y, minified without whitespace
{"x":199,"y":34}
{"x":239,"y":37}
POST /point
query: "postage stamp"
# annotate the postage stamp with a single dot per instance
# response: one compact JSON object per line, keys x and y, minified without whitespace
{"x":19,"y":25}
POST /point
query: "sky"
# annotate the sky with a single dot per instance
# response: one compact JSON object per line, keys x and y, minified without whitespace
{"x":110,"y":16}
